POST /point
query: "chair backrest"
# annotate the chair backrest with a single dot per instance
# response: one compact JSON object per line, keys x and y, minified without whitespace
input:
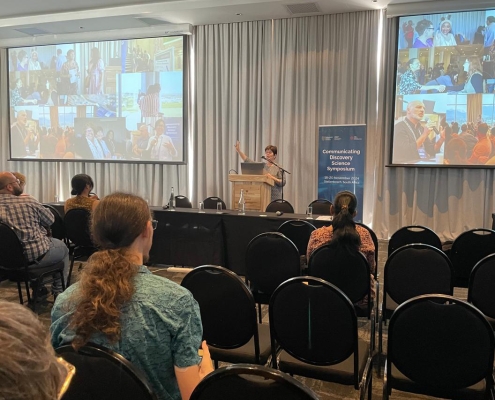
{"x":103,"y":374}
{"x":299,"y":231}
{"x":11,"y":250}
{"x":271,"y":258}
{"x":57,"y":228}
{"x":414,"y":270}
{"x":469,"y":248}
{"x":313,"y":321}
{"x":182,"y":202}
{"x":345,"y":268}
{"x":228,"y":310}
{"x":481,"y":284}
{"x":321,"y":206}
{"x":374,"y":238}
{"x":441,"y":343}
{"x":280,"y":205}
{"x":248,"y":382}
{"x":210,"y":203}
{"x":413,"y":234}
{"x":76,"y":222}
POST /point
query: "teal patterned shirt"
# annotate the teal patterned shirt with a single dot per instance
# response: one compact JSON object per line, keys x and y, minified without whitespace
{"x":161,"y":328}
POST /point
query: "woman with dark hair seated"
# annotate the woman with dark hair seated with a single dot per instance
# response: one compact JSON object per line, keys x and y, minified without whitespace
{"x":344,"y":231}
{"x":118,"y":303}
{"x":82,"y":185}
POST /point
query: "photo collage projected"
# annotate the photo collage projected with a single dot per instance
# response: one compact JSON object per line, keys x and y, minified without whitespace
{"x":117,"y":101}
{"x":445,"y":81}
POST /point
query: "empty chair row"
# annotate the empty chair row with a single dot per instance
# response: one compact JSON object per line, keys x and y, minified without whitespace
{"x":467,"y":249}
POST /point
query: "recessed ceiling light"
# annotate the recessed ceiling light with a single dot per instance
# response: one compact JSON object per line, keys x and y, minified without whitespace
{"x":238,"y":14}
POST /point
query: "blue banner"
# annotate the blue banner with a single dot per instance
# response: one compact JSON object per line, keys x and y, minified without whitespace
{"x":341,"y":161}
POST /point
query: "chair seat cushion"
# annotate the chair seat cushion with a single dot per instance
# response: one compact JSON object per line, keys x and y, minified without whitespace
{"x":400,"y":382}
{"x":245,"y":354}
{"x":342,"y":373}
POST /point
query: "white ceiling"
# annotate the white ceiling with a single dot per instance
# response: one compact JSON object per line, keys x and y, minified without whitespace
{"x":56,"y":17}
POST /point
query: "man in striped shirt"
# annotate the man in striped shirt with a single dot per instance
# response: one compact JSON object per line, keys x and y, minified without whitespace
{"x":30,"y":221}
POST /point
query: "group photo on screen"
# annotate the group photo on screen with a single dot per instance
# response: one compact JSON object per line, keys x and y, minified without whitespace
{"x":112,"y":100}
{"x":445,"y":81}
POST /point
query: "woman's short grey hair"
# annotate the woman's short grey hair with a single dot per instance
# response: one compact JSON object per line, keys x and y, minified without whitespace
{"x":29,"y":369}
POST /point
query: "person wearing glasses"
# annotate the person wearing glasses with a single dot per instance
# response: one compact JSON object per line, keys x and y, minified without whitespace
{"x":30,"y":369}
{"x":31,"y":221}
{"x":425,"y":31}
{"x":118,"y":303}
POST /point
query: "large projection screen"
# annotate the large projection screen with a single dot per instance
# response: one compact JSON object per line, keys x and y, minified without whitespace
{"x":444,"y":93}
{"x":108,"y":101}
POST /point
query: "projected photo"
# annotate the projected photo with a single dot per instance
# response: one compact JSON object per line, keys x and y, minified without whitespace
{"x":445,"y":79}
{"x":111,"y":101}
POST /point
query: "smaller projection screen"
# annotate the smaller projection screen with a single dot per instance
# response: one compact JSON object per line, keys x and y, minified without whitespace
{"x":445,"y":79}
{"x":111,"y":101}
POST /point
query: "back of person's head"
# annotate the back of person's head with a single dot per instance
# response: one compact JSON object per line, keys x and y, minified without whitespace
{"x":79,"y":183}
{"x":344,"y":227}
{"x":107,"y":282}
{"x":21,"y":177}
{"x":29,"y":369}
{"x":482,"y":128}
{"x":464,"y":128}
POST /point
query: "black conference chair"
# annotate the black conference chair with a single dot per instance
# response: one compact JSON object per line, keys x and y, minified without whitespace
{"x":248,"y":382}
{"x":413,"y":234}
{"x":14,"y":266}
{"x":321,"y":206}
{"x":57,"y":229}
{"x":349,"y":271}
{"x":481,"y":284}
{"x":299,"y":231}
{"x":228,"y":313}
{"x":182,"y":202}
{"x":467,"y":250}
{"x":375,"y":242}
{"x":102,"y":374}
{"x":315,"y":325}
{"x":280,"y":205}
{"x":413,"y":270}
{"x":271,"y":258}
{"x":439,"y":346}
{"x":210,"y":203}
{"x":76,"y":222}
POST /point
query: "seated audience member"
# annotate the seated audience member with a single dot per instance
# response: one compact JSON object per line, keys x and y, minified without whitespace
{"x":455,"y":152}
{"x":469,"y":139}
{"x":31,"y":221}
{"x":483,"y":149}
{"x":82,"y":185}
{"x":120,"y":304}
{"x":29,"y":368}
{"x":22,"y":182}
{"x":344,"y":231}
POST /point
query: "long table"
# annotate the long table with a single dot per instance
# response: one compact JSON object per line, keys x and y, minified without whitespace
{"x":189,"y":238}
{"x":186,"y":237}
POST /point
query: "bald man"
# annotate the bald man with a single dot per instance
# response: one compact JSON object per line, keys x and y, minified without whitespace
{"x":30,"y":221}
{"x":409,"y":135}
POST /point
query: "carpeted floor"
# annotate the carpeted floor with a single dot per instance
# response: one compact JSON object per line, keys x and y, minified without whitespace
{"x":324,"y":390}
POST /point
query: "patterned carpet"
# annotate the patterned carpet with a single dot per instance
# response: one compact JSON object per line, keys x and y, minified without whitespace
{"x":324,"y":390}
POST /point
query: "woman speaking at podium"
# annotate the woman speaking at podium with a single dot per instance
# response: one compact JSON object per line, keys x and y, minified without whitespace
{"x":271,"y":170}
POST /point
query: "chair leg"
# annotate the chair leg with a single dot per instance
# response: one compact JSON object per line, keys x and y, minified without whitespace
{"x":216,"y":363}
{"x":27,"y":291}
{"x":21,"y":300}
{"x":70,"y":271}
{"x":259,"y":312}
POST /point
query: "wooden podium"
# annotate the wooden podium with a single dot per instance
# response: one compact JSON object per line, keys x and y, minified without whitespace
{"x":257,"y":191}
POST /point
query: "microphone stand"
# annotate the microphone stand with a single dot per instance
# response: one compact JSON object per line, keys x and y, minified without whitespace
{"x":281,"y":169}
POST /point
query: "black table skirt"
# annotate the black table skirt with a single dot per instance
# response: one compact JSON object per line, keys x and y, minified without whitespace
{"x":186,"y":237}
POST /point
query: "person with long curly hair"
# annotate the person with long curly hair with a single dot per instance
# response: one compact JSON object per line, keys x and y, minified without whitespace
{"x":118,"y":303}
